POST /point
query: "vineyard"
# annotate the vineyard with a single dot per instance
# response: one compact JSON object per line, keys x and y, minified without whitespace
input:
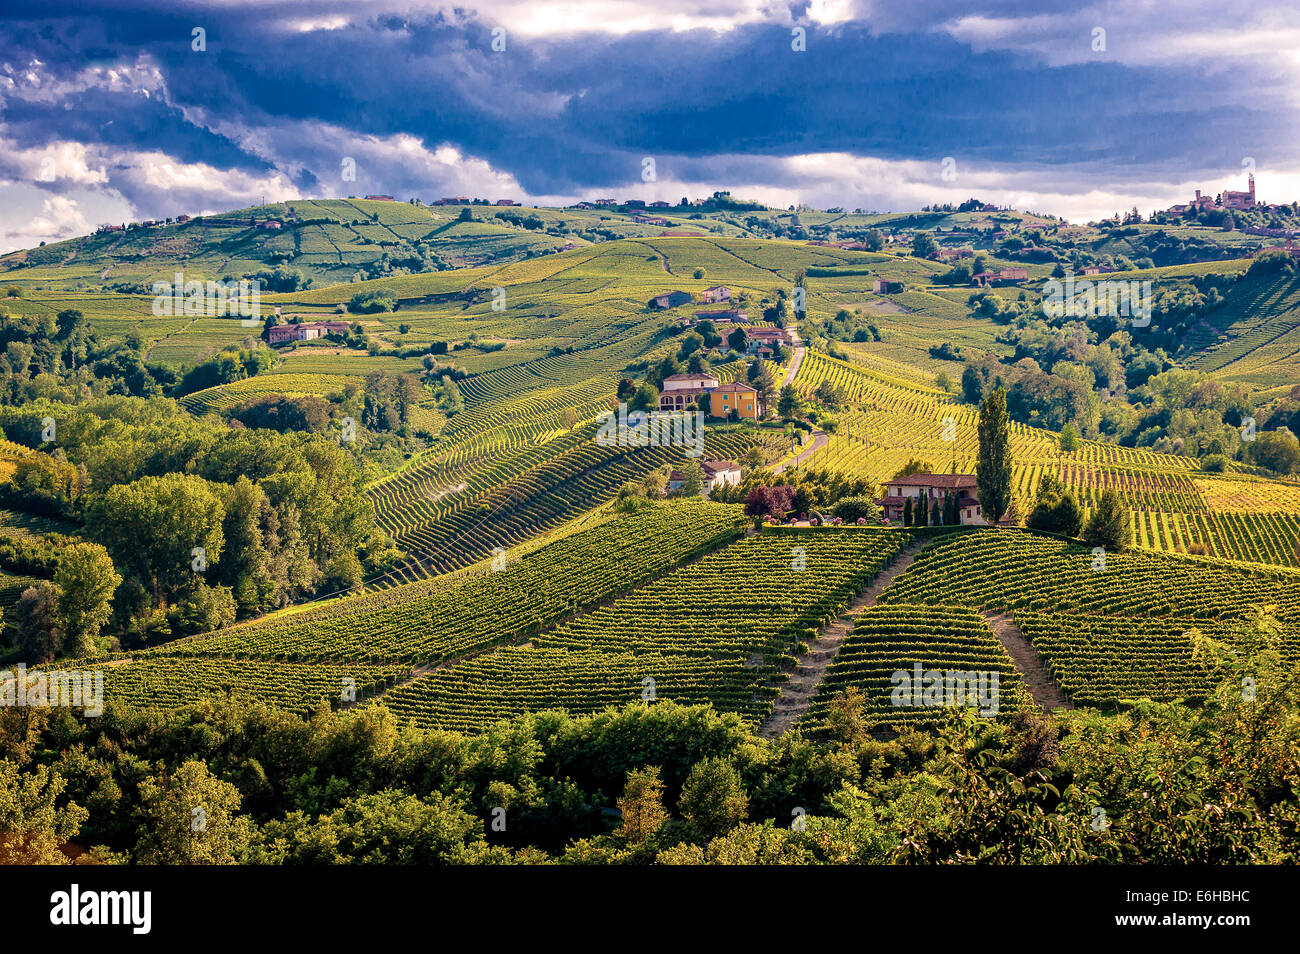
{"x":171,"y":682}
{"x":1252,"y":537}
{"x":890,"y":420}
{"x":497,"y":607}
{"x":991,"y":569}
{"x":712,"y":630}
{"x":482,"y":691}
{"x":1103,"y":661}
{"x":899,"y":636}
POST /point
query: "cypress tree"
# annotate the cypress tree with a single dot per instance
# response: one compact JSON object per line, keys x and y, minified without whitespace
{"x":1109,"y":525}
{"x":993,"y":470}
{"x":907,"y":512}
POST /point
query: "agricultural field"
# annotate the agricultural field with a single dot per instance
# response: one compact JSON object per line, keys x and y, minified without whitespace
{"x":1021,"y":570}
{"x":507,"y":601}
{"x":897,"y":637}
{"x":1105,"y":661}
{"x":175,"y":682}
{"x":709,"y":631}
{"x":517,"y":587}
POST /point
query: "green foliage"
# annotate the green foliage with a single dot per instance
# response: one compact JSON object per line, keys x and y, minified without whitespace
{"x":1109,"y":525}
{"x":993,"y":468}
{"x":713,"y":798}
{"x":373,"y":301}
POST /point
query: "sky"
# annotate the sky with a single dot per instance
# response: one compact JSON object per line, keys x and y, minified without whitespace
{"x":139,"y":109}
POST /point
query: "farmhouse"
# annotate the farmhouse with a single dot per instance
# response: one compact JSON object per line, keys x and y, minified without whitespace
{"x":935,"y":486}
{"x":283,"y":334}
{"x":506,"y":202}
{"x":716,"y":294}
{"x":720,"y":473}
{"x":886,"y":286}
{"x":1013,"y":274}
{"x":951,"y":253}
{"x":381,"y":198}
{"x":713,"y":473}
{"x":271,"y":224}
{"x":681,"y":392}
{"x":769,"y":336}
{"x":740,"y":398}
{"x":670,"y":299}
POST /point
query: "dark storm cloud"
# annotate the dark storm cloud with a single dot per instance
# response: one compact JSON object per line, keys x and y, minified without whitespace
{"x":574,"y":113}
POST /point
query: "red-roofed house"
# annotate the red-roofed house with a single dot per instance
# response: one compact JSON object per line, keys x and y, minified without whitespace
{"x":681,"y":392}
{"x":899,"y":490}
{"x":283,"y":334}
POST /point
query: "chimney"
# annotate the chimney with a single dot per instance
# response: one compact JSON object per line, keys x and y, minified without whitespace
{"x":1198,"y":195}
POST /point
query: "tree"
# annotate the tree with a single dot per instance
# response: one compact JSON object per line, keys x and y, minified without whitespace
{"x":764,"y":501}
{"x":569,"y":418}
{"x":850,"y":509}
{"x":713,"y":798}
{"x":206,"y":609}
{"x":245,"y":566}
{"x":692,"y":479}
{"x":790,"y":404}
{"x":907,"y":512}
{"x":1055,"y":509}
{"x":698,"y":273}
{"x":1109,"y":525}
{"x":31,"y":817}
{"x":923,"y":245}
{"x":86,"y":581}
{"x":642,"y":805}
{"x":993,"y":469}
{"x":187,"y":817}
{"x":762,"y":382}
{"x":1069,"y":441}
{"x":36,"y":628}
{"x":646,"y":398}
{"x":846,"y":718}
{"x":912,"y":467}
{"x":738,"y":340}
{"x":152,"y":527}
{"x":1278,"y":451}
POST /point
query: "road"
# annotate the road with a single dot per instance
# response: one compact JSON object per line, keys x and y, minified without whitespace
{"x":793,"y":370}
{"x":819,"y":438}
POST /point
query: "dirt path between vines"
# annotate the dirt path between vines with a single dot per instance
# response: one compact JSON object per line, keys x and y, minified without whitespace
{"x":796,"y":694}
{"x":1046,"y":691}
